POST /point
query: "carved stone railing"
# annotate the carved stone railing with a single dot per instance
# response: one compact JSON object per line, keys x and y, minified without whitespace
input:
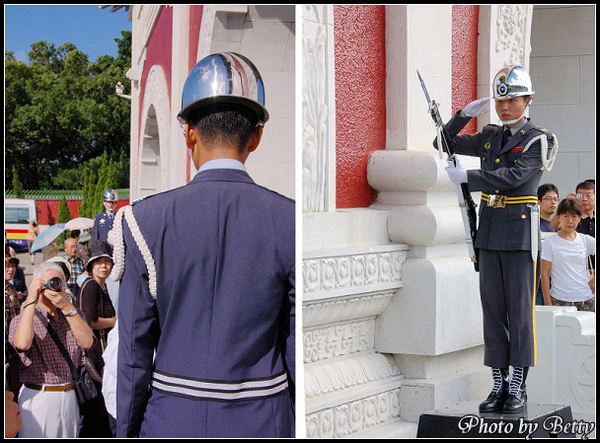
{"x":349,"y":387}
{"x":565,"y":372}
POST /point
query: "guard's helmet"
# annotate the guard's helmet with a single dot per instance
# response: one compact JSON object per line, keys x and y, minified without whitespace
{"x":511,"y":82}
{"x":110,"y":195}
{"x":224,"y":77}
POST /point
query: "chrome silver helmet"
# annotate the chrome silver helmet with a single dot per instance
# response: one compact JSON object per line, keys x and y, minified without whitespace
{"x":224,"y":77}
{"x":110,"y":195}
{"x":511,"y":82}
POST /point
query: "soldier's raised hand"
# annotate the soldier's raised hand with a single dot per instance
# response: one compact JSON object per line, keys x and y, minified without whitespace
{"x":476,"y":108}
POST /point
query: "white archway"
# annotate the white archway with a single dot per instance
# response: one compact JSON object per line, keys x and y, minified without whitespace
{"x":153,"y":155}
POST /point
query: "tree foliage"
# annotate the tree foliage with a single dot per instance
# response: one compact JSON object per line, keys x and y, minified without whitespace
{"x":61,"y":111}
{"x":99,"y":175}
{"x":64,"y":215}
{"x":17,"y":185}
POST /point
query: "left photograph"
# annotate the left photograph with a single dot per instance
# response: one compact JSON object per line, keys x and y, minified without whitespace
{"x":150,"y":246}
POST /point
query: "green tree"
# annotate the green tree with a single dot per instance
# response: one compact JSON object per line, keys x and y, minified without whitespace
{"x":61,"y":110}
{"x":17,"y":185}
{"x":99,"y":175}
{"x":74,"y":178}
{"x":64,"y":215}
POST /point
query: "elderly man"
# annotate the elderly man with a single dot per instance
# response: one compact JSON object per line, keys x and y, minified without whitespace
{"x":77,"y":265}
{"x":48,"y":402}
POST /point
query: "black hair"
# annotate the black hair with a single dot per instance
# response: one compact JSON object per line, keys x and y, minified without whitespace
{"x":588,"y":184}
{"x":229,"y":125}
{"x":569,"y":205}
{"x":546,"y":187}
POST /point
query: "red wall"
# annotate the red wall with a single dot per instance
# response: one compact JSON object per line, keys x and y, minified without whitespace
{"x":359,"y":36}
{"x":465,"y":21}
{"x":158,"y":52}
{"x":160,"y":48}
{"x":47,"y":210}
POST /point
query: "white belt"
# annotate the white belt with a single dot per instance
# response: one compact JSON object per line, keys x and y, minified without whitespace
{"x":212,"y":390}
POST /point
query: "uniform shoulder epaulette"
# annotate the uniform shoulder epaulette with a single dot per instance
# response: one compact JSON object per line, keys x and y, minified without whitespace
{"x":145,"y":197}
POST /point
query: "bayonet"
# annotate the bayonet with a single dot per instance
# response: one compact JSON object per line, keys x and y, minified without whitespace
{"x":433,"y":106}
{"x":465,"y":201}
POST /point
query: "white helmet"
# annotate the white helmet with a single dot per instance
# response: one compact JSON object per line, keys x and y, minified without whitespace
{"x":224,"y":77}
{"x":511,"y":82}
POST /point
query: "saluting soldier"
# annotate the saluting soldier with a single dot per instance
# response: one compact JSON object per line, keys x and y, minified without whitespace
{"x":513,"y":157}
{"x":206,"y":304}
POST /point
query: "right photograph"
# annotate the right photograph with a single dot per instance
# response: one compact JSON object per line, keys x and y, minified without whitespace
{"x":448,"y":221}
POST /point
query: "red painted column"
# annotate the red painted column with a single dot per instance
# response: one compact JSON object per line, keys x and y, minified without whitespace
{"x":465,"y":22}
{"x":359,"y":36}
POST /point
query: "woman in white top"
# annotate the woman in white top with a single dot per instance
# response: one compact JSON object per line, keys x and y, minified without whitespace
{"x":564,"y":258}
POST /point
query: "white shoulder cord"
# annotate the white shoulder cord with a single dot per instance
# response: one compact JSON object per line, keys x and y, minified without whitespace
{"x":115,"y":237}
{"x":548,"y":163}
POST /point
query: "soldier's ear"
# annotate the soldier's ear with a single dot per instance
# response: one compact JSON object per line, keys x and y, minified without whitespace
{"x":191,"y":136}
{"x":255,"y":138}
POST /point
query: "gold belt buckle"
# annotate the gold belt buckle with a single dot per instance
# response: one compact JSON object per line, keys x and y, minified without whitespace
{"x":497,"y":201}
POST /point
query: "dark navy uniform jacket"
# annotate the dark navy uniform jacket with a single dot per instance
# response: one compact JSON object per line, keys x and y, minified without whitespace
{"x":102,"y":224}
{"x":505,"y":170}
{"x":222,"y":324}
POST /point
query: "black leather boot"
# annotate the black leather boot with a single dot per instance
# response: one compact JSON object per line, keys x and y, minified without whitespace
{"x":495,"y":401}
{"x":517,"y":395}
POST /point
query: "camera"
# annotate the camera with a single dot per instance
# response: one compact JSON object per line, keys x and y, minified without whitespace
{"x":54,"y":284}
{"x":577,"y":196}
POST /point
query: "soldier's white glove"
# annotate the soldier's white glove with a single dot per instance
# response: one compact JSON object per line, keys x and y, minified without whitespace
{"x":476,"y":108}
{"x":457,"y":174}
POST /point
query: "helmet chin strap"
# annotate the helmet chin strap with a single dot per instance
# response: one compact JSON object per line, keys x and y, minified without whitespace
{"x":512,"y":122}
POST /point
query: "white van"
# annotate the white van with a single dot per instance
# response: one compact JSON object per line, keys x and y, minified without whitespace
{"x":16,"y":213}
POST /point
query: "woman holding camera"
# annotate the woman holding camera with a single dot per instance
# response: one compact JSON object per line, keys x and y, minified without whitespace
{"x":47,"y":399}
{"x":95,"y":303}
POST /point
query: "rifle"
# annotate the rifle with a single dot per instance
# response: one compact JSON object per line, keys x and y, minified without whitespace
{"x":465,"y":201}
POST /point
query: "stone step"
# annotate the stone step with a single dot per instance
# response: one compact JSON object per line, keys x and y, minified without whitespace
{"x":392,"y":429}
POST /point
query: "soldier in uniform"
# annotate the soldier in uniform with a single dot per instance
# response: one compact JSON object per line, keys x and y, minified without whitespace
{"x":206,"y":305}
{"x":103,"y":221}
{"x":513,"y":157}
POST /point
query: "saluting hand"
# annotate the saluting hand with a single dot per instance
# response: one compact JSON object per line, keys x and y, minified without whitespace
{"x":476,"y":108}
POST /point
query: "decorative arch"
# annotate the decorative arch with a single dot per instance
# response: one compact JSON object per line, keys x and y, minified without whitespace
{"x":153,"y":158}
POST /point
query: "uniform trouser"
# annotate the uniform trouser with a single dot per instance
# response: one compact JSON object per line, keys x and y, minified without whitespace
{"x":508,"y":299}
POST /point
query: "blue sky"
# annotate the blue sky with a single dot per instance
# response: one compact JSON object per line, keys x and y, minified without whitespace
{"x":88,"y":27}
